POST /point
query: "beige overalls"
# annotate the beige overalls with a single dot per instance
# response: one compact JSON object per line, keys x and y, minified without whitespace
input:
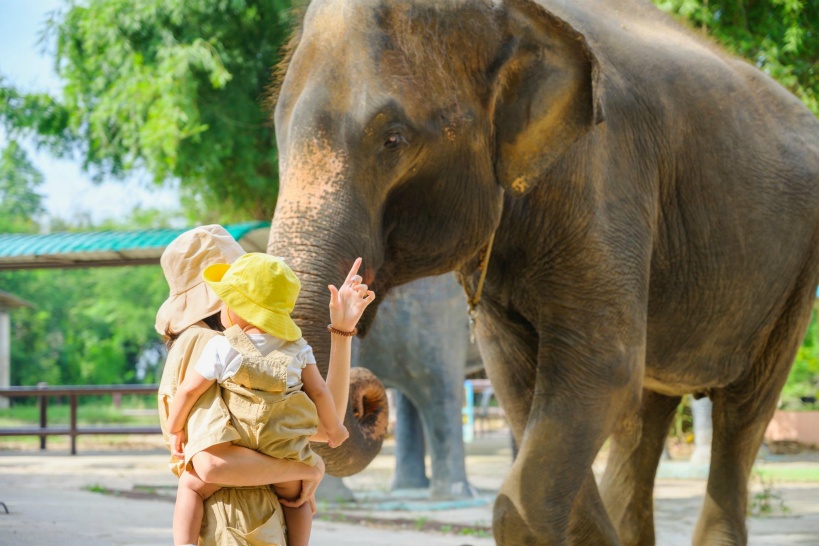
{"x":269,"y":417}
{"x":234,"y":516}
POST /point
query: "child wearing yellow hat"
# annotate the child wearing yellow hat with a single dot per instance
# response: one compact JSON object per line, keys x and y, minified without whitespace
{"x":270,"y":384}
{"x":247,"y":506}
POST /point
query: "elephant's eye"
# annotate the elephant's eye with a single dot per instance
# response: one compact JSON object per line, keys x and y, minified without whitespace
{"x":394,"y":140}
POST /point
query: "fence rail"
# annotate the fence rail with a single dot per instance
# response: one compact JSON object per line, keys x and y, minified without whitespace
{"x":42,"y":392}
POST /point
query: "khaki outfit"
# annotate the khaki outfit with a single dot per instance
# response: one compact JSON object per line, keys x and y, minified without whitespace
{"x":209,"y":420}
{"x":234,"y":516}
{"x":268,"y":416}
{"x":243,"y":516}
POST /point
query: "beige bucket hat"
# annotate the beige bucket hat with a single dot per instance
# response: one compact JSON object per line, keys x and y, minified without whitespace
{"x":183,"y":262}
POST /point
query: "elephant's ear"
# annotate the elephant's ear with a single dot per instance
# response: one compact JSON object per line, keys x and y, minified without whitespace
{"x":546,"y":94}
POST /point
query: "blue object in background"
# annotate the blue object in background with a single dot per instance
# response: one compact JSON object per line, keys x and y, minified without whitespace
{"x":468,"y":411}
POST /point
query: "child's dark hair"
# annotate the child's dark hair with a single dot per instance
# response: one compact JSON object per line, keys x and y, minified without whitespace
{"x":211,"y":322}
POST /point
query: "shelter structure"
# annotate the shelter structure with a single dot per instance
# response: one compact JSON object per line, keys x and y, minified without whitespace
{"x":69,"y":250}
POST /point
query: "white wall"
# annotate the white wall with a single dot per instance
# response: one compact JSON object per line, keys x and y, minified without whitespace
{"x":5,"y":355}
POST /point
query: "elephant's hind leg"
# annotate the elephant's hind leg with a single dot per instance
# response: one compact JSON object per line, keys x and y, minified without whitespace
{"x":627,"y":487}
{"x":738,"y":431}
{"x":741,"y":414}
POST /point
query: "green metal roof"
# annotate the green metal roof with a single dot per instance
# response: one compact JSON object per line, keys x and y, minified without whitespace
{"x":108,"y":248}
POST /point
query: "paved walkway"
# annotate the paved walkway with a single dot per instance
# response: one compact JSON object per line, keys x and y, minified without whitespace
{"x":55,"y":499}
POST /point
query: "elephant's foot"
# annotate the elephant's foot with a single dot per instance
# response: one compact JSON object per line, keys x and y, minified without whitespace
{"x":409,"y":480}
{"x":452,"y":490}
{"x":510,"y":529}
{"x":714,"y":528}
{"x":332,"y":489}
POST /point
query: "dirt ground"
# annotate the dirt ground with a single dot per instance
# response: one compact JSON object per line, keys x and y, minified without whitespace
{"x":109,"y":495}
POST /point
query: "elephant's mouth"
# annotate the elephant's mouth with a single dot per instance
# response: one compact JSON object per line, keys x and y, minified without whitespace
{"x":370,"y":414}
{"x":369,"y":403}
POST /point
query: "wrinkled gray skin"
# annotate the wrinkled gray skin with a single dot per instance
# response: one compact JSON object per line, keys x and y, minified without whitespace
{"x":655,"y":204}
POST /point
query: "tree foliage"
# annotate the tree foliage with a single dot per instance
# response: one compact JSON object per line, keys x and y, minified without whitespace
{"x":36,"y":115}
{"x":780,"y":37}
{"x":19,"y":201}
{"x":175,"y":85}
{"x":803,"y":380}
{"x":86,"y":326}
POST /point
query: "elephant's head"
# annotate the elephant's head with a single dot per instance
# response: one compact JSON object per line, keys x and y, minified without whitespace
{"x":400,"y":124}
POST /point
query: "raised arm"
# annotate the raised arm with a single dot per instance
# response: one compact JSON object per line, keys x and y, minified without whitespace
{"x":346,"y":307}
{"x":332,"y":429}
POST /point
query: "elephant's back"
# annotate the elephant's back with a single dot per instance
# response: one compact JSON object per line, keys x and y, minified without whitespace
{"x":728,"y":144}
{"x":662,"y":73}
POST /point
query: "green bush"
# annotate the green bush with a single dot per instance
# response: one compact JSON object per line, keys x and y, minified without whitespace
{"x":803,"y":380}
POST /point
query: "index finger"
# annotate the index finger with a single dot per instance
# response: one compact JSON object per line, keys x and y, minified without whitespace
{"x":353,"y":270}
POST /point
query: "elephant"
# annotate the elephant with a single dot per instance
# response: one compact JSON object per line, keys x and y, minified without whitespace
{"x":420,"y":346}
{"x":633,"y":211}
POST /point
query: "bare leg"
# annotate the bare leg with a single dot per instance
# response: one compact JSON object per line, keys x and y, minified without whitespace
{"x":229,"y":464}
{"x":299,"y":520}
{"x":188,"y":511}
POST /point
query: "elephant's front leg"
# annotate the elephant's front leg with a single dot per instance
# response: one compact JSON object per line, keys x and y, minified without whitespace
{"x":444,"y":432}
{"x":439,"y":406}
{"x":410,"y":448}
{"x":579,"y":390}
{"x":551,"y":478}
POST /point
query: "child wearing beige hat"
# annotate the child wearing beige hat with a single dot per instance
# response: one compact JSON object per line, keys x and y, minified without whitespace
{"x":276,"y":397}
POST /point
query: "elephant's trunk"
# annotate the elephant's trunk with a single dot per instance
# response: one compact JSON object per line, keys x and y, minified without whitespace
{"x":321,"y":254}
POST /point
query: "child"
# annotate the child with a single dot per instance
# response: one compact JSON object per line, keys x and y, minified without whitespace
{"x":261,"y":365}
{"x":188,"y":319}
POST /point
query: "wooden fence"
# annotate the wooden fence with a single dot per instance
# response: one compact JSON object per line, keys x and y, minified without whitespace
{"x":43,"y":392}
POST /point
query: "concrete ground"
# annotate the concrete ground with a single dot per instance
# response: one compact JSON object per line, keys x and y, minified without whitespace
{"x":108,"y":497}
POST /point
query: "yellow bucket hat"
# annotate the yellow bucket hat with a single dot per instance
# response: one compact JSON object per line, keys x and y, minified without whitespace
{"x":261,"y":289}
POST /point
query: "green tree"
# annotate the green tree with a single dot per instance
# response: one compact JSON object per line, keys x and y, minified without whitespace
{"x":781,"y":37}
{"x":35,"y":115}
{"x":86,"y":326}
{"x":176,"y":86}
{"x":803,"y":381}
{"x":20,"y":203}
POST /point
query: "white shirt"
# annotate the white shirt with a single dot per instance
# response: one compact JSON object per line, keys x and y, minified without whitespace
{"x":219,"y":360}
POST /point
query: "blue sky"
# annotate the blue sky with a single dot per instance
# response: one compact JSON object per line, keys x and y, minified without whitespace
{"x":67,"y":190}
